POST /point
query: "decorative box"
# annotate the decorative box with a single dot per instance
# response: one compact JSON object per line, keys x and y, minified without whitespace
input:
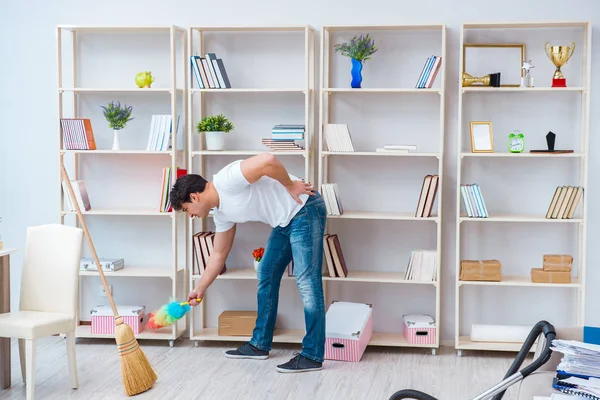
{"x":538,"y":275}
{"x":103,"y":319}
{"x":237,"y":323}
{"x":480,"y":270}
{"x":419,"y":329}
{"x":558,"y":262}
{"x":349,"y":330}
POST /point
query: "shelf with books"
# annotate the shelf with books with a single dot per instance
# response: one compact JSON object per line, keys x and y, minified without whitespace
{"x":271,"y":99}
{"x":359,"y":152}
{"x":528,"y":194}
{"x":85,"y":85}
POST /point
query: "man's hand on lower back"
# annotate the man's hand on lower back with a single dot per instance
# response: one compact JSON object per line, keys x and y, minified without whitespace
{"x":300,"y":187}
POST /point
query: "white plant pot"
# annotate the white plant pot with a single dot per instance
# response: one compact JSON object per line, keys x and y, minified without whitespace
{"x":256,"y":265}
{"x":215,"y":140}
{"x":116,"y":145}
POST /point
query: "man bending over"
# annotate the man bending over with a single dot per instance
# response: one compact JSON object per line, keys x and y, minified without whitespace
{"x":260,"y":189}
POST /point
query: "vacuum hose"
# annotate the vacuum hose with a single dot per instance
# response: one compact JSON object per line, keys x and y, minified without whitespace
{"x":541,"y":327}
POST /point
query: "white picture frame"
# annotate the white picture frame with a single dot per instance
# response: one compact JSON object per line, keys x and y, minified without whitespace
{"x":482,"y":137}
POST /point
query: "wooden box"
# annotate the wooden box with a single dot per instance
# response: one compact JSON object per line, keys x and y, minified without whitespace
{"x":558,"y":262}
{"x":538,"y":275}
{"x":237,"y":323}
{"x":480,"y":270}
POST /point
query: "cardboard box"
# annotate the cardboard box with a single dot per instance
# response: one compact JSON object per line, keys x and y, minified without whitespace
{"x":103,"y":320}
{"x":557,"y":262}
{"x":419,"y":329}
{"x":237,"y":323}
{"x":480,"y":270}
{"x":349,"y":329}
{"x":538,"y":275}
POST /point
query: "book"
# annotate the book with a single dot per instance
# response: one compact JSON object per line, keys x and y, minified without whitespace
{"x":429,"y":73}
{"x":473,"y":201}
{"x":333,"y":203}
{"x":77,"y":134}
{"x":564,"y":202}
{"x":422,"y":266}
{"x":161,"y":132}
{"x":81,"y":195}
{"x":427,"y":196}
{"x":203,"y":245}
{"x":166,"y":186}
{"x":334,"y":257}
{"x":337,"y":137}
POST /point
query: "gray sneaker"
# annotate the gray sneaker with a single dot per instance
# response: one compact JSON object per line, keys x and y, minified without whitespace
{"x":300,"y":364}
{"x":247,"y":351}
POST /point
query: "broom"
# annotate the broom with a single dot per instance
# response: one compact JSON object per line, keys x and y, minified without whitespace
{"x":138,"y":375}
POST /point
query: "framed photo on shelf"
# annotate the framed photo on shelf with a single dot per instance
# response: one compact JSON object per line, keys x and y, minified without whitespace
{"x":482,"y":137}
{"x":483,"y":59}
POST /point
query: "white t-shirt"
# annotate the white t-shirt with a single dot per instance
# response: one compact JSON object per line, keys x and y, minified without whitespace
{"x":265,"y":200}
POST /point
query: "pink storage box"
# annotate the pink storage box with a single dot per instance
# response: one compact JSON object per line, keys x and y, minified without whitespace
{"x":419,"y":329}
{"x":103,"y":320}
{"x":348,"y":331}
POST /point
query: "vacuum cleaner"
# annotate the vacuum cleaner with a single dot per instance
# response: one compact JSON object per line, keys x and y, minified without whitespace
{"x":513,"y":376}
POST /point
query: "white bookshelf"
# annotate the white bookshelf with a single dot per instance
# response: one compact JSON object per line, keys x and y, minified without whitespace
{"x":518,"y":188}
{"x":80,"y":92}
{"x":247,"y":86}
{"x":382,"y":81}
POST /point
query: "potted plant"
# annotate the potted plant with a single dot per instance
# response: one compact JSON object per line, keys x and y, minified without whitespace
{"x":359,"y":49}
{"x":117,"y":118}
{"x":258,"y":255}
{"x":214,"y":128}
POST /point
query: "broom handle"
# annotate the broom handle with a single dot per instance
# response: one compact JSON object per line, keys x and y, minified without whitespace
{"x":89,"y":238}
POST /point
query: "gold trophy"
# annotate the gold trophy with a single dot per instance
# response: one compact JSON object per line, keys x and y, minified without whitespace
{"x":559,"y":55}
{"x":468,"y":80}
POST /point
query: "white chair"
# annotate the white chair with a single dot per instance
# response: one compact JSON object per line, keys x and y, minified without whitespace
{"x":49,"y":296}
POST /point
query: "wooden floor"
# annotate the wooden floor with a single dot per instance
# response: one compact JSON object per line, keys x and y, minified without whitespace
{"x":188,"y":372}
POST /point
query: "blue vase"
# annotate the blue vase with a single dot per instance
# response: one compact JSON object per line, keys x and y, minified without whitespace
{"x":356,"y":73}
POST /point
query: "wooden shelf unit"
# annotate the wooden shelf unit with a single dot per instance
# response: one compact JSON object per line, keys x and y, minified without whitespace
{"x":176,"y":272}
{"x":577,"y":87}
{"x":326,"y":160}
{"x":198,"y":155}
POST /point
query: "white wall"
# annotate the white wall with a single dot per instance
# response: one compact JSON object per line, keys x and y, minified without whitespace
{"x":28,"y":110}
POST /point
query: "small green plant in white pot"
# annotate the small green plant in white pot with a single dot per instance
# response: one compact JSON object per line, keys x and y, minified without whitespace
{"x":117,"y":117}
{"x":214,"y":128}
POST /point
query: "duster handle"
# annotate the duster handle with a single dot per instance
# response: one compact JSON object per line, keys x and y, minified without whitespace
{"x":89,"y":239}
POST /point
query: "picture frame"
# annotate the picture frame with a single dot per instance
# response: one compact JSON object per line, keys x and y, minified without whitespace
{"x":481,"y":59}
{"x":482,"y":137}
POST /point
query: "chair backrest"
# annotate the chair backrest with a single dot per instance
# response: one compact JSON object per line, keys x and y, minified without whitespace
{"x":50,"y":276}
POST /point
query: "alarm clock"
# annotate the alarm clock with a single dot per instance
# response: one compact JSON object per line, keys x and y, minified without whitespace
{"x":516,"y":142}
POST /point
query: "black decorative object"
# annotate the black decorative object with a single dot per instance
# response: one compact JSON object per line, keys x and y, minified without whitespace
{"x":551,"y":141}
{"x":495,"y":79}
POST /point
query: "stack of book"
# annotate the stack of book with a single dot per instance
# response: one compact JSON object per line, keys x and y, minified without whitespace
{"x":473,"y":201}
{"x":337,"y":137}
{"x":331,"y":194}
{"x":429,"y":72}
{"x":564,"y":202}
{"x":334,"y":258}
{"x":210,"y":72}
{"x":167,"y":184}
{"x":203,"y":247}
{"x":77,"y":134}
{"x":81,"y":195}
{"x":427,"y":196}
{"x":284,"y":137}
{"x":422,"y":266}
{"x":397,"y":148}
{"x":161,"y":132}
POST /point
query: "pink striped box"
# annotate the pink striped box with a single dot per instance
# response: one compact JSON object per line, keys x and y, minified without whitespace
{"x":348,"y":331}
{"x":419,"y":329}
{"x":103,"y":320}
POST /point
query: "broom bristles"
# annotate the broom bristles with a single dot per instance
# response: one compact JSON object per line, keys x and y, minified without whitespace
{"x":138,"y":375}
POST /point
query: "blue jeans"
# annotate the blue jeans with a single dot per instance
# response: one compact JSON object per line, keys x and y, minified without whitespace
{"x":302,"y":240}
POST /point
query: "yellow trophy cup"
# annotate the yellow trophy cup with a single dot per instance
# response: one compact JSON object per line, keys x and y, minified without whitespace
{"x":559,"y":55}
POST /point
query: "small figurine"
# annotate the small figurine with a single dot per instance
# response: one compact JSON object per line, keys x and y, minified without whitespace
{"x":527,"y":80}
{"x":144,"y":79}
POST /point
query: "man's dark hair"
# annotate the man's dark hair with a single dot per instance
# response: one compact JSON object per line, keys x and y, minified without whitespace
{"x":183,"y":187}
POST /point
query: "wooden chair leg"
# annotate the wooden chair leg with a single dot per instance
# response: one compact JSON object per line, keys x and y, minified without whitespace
{"x":30,"y":356}
{"x":23,"y":360}
{"x":72,"y":359}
